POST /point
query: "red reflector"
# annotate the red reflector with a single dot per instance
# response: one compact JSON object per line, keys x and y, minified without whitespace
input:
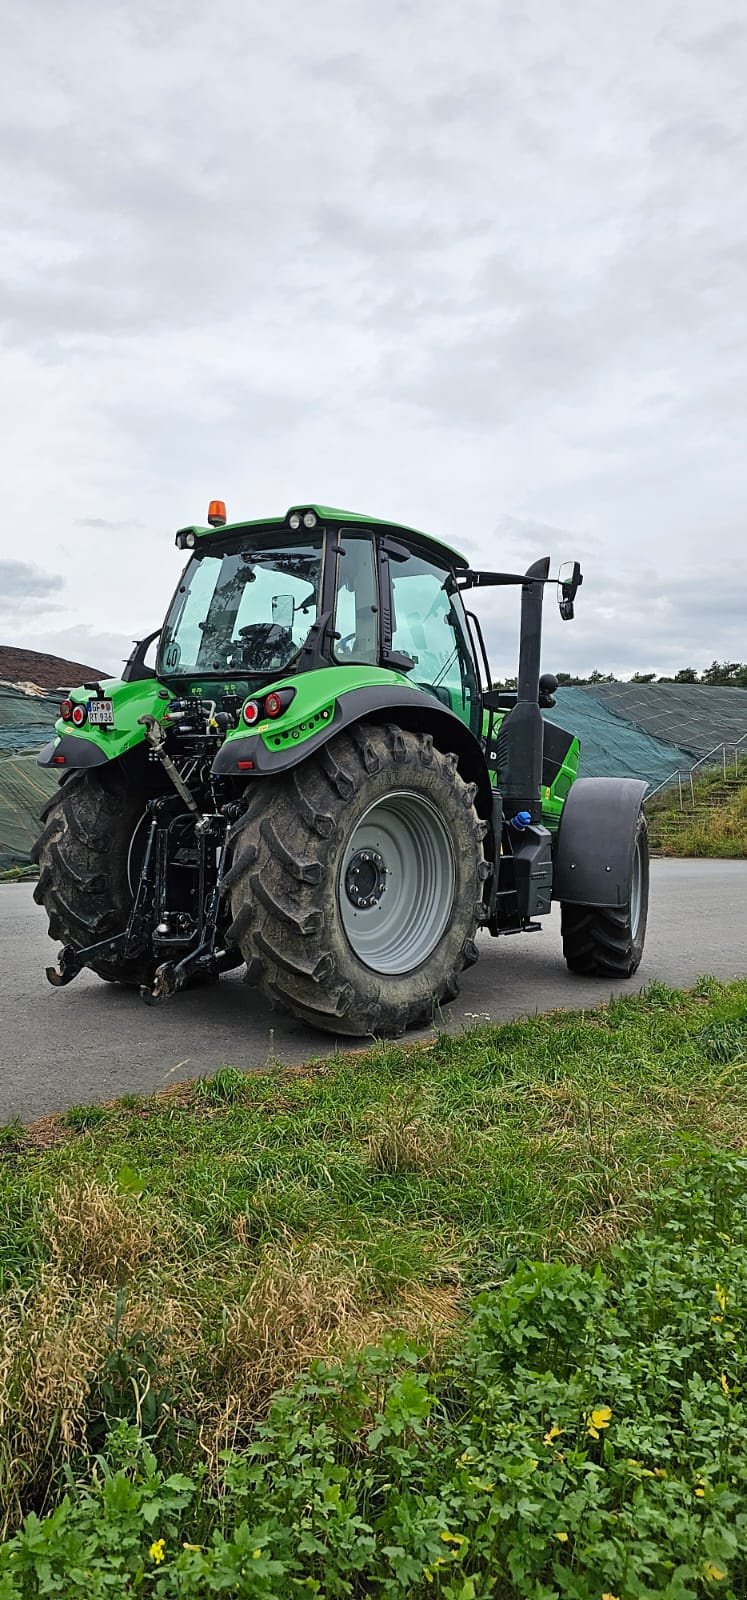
{"x":273,"y":705}
{"x":250,"y":712}
{"x":58,"y":761}
{"x":245,"y":766}
{"x":79,"y":715}
{"x":66,"y":710}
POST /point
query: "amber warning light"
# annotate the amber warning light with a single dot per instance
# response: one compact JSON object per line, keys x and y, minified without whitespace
{"x":217,"y":513}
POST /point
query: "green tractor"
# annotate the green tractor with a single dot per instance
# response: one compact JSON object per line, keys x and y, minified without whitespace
{"x":318,"y":782}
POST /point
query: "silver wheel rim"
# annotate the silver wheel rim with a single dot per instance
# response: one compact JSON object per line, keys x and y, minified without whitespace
{"x":396,"y":883}
{"x":636,"y":891}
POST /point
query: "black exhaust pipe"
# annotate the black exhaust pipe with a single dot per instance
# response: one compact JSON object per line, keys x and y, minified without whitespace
{"x":521,"y":736}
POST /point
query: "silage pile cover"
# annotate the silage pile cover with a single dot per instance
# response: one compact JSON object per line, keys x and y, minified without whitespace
{"x":611,"y":747}
{"x":26,"y":723}
{"x":694,"y":716}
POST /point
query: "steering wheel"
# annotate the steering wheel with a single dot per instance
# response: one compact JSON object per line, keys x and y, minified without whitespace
{"x":262,"y":642}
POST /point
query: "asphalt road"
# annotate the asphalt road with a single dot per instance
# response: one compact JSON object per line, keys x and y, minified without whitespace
{"x":92,"y":1041}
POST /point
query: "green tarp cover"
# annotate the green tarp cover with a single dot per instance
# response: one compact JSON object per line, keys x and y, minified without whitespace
{"x":610,"y":747}
{"x":695,"y":716}
{"x":24,"y":790}
{"x":26,"y":723}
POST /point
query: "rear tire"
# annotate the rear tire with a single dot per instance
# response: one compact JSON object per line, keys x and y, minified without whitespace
{"x":82,"y":854}
{"x":356,"y":883}
{"x":607,"y":942}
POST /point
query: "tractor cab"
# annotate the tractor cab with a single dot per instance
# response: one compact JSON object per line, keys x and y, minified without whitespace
{"x":321,"y":588}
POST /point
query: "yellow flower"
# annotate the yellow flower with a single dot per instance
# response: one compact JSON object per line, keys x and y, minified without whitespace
{"x":609,"y":1596}
{"x":598,"y":1419}
{"x":710,"y":1570}
{"x":256,"y":1553}
{"x":156,"y":1550}
{"x":552,"y":1434}
{"x":562,"y":1537}
{"x":723,"y":1380}
{"x":721,"y":1296}
{"x":700,"y":1493}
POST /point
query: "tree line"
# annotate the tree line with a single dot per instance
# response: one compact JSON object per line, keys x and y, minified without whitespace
{"x":724,"y":674}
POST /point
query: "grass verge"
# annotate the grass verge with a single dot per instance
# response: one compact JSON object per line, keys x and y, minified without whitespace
{"x":173,"y":1268}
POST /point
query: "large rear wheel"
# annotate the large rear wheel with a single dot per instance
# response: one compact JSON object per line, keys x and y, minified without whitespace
{"x":356,"y":883}
{"x":83,"y":853}
{"x":607,"y":942}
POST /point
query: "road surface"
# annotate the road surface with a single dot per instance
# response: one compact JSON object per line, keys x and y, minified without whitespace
{"x":93,"y":1040}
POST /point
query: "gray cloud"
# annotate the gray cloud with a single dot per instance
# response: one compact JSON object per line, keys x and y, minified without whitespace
{"x":20,"y":582}
{"x":481,"y":269}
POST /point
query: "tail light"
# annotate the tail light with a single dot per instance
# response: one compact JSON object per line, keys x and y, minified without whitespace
{"x":79,"y":715}
{"x":273,"y":705}
{"x":250,"y":712}
{"x":66,"y":710}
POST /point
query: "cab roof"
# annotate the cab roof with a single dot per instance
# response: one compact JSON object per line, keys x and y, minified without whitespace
{"x":335,"y":516}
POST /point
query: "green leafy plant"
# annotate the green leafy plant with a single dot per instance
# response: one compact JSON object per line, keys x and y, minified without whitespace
{"x":587,"y":1438}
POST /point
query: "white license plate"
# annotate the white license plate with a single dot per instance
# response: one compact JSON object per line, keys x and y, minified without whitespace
{"x":101,"y":713}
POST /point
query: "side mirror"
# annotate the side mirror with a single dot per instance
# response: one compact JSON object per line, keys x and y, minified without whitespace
{"x":568,"y":587}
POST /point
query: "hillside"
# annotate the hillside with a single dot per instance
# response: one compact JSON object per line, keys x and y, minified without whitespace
{"x":49,"y":672}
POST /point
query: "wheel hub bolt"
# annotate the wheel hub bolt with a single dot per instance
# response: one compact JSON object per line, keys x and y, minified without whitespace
{"x":365,"y":879}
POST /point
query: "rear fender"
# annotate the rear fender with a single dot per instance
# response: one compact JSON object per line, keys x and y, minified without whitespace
{"x":308,"y":725}
{"x":594,"y":851}
{"x":76,"y":748}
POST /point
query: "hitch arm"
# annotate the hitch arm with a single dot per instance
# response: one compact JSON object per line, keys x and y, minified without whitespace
{"x":156,"y":739}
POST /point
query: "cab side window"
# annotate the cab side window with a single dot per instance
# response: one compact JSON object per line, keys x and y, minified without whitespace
{"x":429,"y":625}
{"x":356,"y":611}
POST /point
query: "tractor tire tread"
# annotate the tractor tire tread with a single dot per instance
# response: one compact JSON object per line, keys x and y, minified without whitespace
{"x":599,"y":941}
{"x":282,"y":885}
{"x":81,"y":853}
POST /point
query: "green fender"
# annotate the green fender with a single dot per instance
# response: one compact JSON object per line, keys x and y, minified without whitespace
{"x":93,"y":747}
{"x":329,"y":700}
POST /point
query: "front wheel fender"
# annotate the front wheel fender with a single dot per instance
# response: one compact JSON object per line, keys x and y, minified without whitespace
{"x":596,"y":840}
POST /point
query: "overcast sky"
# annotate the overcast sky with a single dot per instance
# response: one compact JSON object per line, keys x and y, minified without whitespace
{"x":479,"y":267}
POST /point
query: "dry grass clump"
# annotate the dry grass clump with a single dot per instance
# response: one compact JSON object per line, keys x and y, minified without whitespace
{"x":52,"y":1340}
{"x":299,"y":1300}
{"x":306,"y":1303}
{"x":404,"y":1140}
{"x":92,"y":1300}
{"x":95,"y":1235}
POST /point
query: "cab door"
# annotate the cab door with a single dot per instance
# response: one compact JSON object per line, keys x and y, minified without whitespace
{"x":429,"y":626}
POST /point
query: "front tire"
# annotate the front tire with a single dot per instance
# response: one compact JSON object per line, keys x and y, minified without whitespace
{"x":83,"y":855}
{"x":607,"y":942}
{"x":356,"y":883}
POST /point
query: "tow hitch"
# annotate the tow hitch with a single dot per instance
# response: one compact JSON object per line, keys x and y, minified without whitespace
{"x":176,"y":845}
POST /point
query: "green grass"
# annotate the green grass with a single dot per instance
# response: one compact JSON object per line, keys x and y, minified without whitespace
{"x":171,"y":1264}
{"x":721,"y":832}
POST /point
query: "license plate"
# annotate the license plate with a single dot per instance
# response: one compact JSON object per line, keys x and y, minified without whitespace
{"x":101,"y":713}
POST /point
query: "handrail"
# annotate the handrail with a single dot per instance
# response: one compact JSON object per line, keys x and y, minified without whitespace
{"x":678,"y":773}
{"x":723,"y":747}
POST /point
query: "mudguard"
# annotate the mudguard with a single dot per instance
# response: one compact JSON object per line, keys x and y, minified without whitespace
{"x":594,"y":851}
{"x":89,"y":746}
{"x":276,"y":748}
{"x":72,"y":751}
